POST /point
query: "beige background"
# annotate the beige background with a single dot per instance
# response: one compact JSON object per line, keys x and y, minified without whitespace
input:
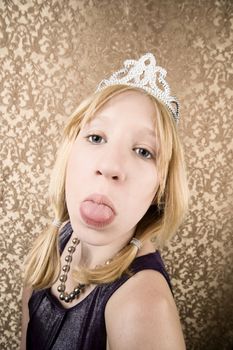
{"x":52,"y":54}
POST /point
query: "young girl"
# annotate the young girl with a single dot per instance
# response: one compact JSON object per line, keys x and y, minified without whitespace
{"x":95,"y":279}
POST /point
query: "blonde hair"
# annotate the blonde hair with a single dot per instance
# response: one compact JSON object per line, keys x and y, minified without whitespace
{"x":159,"y":223}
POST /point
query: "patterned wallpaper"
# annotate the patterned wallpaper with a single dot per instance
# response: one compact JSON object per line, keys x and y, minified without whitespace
{"x":52,"y":54}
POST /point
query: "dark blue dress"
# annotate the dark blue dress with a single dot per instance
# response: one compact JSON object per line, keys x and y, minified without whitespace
{"x":81,"y":327}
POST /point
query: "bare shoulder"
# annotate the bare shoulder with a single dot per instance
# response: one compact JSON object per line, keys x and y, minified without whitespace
{"x":142,"y":314}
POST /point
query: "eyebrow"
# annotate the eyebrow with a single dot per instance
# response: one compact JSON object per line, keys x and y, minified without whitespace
{"x":144,"y":130}
{"x":149,"y":132}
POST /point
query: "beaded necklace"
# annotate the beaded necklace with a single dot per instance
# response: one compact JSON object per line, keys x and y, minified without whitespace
{"x":69,"y":297}
{"x":64,"y":296}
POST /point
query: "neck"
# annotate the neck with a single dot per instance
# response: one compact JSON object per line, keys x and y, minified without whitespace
{"x":91,"y":255}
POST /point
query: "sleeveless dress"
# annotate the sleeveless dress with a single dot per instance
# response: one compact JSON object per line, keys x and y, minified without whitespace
{"x":81,"y":327}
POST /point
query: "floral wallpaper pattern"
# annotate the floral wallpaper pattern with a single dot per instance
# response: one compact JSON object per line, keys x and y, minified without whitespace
{"x":52,"y":54}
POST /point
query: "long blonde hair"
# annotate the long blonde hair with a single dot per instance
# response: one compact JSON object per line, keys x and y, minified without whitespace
{"x":159,"y":223}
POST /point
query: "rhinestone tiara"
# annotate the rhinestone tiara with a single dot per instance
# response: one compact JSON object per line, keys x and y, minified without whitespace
{"x":146,"y":75}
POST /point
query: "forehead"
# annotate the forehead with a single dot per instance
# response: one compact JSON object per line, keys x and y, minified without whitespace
{"x":129,"y":112}
{"x":130,"y":107}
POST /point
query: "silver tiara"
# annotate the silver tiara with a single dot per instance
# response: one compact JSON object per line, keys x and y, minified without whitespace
{"x":145,"y":74}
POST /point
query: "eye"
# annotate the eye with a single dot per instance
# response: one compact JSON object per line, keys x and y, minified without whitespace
{"x":144,"y":153}
{"x":95,"y":138}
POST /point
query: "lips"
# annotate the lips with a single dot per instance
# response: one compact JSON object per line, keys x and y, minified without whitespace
{"x":97,"y":210}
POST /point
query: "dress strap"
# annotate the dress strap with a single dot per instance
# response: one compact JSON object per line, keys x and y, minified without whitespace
{"x":64,"y":236}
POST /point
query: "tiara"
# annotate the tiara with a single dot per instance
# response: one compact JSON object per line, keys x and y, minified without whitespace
{"x":146,"y":75}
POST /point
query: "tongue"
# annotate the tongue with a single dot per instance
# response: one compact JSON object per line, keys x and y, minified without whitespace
{"x":96,"y":212}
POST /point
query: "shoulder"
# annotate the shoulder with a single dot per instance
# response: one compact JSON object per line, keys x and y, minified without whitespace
{"x":142,"y":314}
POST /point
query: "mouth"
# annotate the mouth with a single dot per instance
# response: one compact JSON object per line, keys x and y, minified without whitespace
{"x":101,"y":199}
{"x":97,"y":210}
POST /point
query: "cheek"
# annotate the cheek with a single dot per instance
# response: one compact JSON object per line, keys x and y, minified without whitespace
{"x":145,"y":188}
{"x":79,"y":168}
{"x":77,"y":165}
{"x":74,"y":174}
{"x":147,"y":183}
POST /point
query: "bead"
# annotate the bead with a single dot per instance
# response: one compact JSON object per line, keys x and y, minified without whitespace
{"x":68,"y":258}
{"x":76,"y":291}
{"x":61,"y":288}
{"x":66,"y":268}
{"x":71,"y":249}
{"x":81,"y":286}
{"x":67,"y":298}
{"x":75,"y":241}
{"x":63,"y":278}
{"x":72,"y":295}
{"x":62,"y":296}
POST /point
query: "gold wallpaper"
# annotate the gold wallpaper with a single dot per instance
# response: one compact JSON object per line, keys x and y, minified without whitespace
{"x":52,"y":54}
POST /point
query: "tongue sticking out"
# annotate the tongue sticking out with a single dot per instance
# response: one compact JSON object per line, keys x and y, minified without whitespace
{"x":95,"y":213}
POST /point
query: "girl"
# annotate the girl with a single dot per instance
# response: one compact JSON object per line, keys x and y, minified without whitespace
{"x":119,"y":192}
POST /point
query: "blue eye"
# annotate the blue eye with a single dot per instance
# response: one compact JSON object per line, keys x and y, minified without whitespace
{"x":95,"y":138}
{"x":144,"y":153}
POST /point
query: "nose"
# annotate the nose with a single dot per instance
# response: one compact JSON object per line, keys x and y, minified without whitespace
{"x":112,"y":166}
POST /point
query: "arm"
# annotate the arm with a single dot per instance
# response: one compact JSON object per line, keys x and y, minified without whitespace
{"x":142,"y":314}
{"x":25,"y":316}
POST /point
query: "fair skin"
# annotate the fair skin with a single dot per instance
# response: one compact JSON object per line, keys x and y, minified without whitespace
{"x":115,"y":155}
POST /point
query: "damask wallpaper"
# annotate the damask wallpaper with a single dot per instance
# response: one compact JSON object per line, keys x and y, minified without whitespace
{"x":52,"y":54}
